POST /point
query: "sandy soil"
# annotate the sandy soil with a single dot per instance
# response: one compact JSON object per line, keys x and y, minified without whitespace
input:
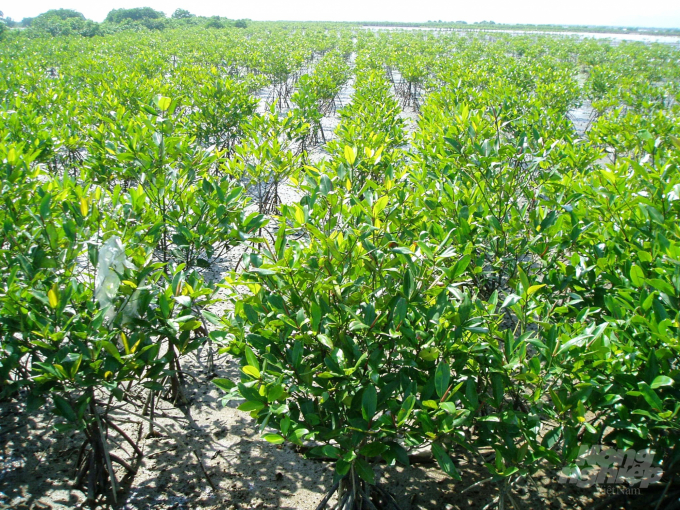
{"x":38,"y":463}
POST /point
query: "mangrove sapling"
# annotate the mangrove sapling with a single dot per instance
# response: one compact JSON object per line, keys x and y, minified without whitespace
{"x":94,"y":466}
{"x":316,"y":95}
{"x":511,"y":290}
{"x":335,"y":341}
{"x":221,"y":108}
{"x":268,"y":155}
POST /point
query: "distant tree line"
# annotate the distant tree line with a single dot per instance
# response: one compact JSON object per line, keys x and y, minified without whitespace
{"x":57,"y":22}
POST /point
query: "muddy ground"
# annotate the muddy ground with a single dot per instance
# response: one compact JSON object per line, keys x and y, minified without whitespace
{"x":37,"y":464}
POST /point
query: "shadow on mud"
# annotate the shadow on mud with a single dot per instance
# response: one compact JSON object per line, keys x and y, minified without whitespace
{"x":205,"y":444}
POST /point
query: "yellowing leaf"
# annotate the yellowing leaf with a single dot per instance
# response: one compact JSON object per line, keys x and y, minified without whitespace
{"x":123,"y":337}
{"x":380,"y":205}
{"x":534,"y":289}
{"x":299,"y":214}
{"x":164,"y":103}
{"x":52,"y":297}
{"x":350,"y":154}
{"x":83,"y":206}
{"x":134,"y":347}
{"x":251,"y":371}
{"x":12,"y":156}
{"x":378,"y":153}
{"x":130,"y":284}
{"x":610,"y":176}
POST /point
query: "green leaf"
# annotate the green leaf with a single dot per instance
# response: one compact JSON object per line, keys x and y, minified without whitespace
{"x":369,"y":402}
{"x":250,"y":406}
{"x":406,"y":408}
{"x":408,"y":284}
{"x":449,"y":407}
{"x":444,"y":461}
{"x":261,"y":272}
{"x":442,"y":377}
{"x":342,"y":467}
{"x":429,"y":354}
{"x":45,"y":206}
{"x":644,"y":256}
{"x":637,"y":275}
{"x":274,"y":438}
{"x":471,"y":393}
{"x":251,"y":358}
{"x":34,"y":402}
{"x":650,"y":396}
{"x":356,"y":325}
{"x":112,"y":350}
{"x":365,"y":471}
{"x":64,"y":408}
{"x":399,"y":312}
{"x":662,"y":286}
{"x":223,"y":384}
{"x":325,"y":341}
{"x":379,"y":205}
{"x":461,"y":266}
{"x":331,"y":451}
{"x":297,"y":435}
{"x":373,"y":449}
{"x":660,"y":381}
{"x":510,"y":300}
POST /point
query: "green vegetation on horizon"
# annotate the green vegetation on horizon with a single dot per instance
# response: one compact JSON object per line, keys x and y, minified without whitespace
{"x":68,"y":21}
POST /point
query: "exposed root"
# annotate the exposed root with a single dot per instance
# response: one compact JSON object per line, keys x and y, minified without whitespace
{"x":94,"y":468}
{"x":355,"y":494}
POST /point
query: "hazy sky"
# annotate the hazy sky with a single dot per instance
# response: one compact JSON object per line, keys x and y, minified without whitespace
{"x":656,"y":13}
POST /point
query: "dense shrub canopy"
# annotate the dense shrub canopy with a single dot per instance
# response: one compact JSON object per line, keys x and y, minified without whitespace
{"x":481,"y":258}
{"x":135,"y":14}
{"x":182,"y":14}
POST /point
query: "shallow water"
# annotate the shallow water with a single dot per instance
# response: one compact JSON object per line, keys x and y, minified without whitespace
{"x":646,"y":38}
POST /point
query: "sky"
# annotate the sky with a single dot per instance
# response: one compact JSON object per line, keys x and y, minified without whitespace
{"x":648,"y":13}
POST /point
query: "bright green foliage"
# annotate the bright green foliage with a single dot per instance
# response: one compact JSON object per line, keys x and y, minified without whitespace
{"x":494,"y":286}
{"x":317,"y":93}
{"x":486,"y":277}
